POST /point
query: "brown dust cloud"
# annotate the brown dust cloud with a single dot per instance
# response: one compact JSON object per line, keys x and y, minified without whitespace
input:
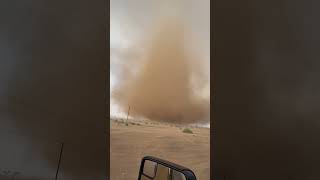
{"x":162,"y":88}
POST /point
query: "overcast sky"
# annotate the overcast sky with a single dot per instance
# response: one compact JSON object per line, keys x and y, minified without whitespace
{"x":131,"y":19}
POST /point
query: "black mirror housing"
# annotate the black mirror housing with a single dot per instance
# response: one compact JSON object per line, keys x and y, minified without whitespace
{"x":188,"y":174}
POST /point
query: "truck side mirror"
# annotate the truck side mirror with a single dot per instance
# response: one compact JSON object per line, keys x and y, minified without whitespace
{"x":153,"y":168}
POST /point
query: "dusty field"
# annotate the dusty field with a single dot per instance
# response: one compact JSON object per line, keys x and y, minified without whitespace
{"x":129,"y":143}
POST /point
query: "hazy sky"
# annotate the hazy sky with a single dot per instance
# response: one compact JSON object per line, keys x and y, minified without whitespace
{"x":131,"y":19}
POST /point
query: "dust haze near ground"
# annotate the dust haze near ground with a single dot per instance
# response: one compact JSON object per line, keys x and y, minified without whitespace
{"x":162,"y":88}
{"x":129,"y":143}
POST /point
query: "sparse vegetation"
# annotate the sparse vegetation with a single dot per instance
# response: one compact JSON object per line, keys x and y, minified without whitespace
{"x":188,"y":131}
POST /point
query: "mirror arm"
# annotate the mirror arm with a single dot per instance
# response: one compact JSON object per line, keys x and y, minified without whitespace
{"x":141,"y":168}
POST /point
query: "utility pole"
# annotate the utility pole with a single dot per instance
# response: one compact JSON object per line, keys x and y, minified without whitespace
{"x":60,"y":158}
{"x":128,"y":113}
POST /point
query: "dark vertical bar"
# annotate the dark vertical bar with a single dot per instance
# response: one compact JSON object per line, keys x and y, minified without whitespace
{"x":107,"y":99}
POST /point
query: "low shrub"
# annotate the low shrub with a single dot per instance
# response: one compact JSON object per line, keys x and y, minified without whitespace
{"x":187,"y":130}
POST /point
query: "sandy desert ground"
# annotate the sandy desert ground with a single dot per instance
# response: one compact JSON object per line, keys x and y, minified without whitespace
{"x":135,"y":139}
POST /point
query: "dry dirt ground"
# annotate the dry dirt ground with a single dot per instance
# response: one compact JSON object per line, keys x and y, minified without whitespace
{"x":133,"y":140}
